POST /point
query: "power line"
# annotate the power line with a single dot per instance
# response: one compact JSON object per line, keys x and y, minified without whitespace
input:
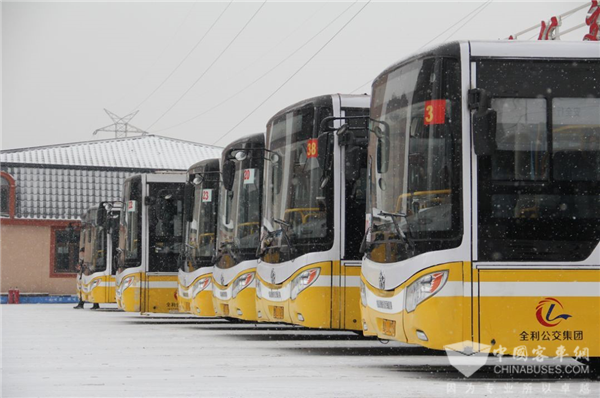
{"x":210,"y":66}
{"x":476,"y":10}
{"x":456,"y":23}
{"x":184,"y":58}
{"x":282,"y":40}
{"x":161,"y":53}
{"x":294,"y":74}
{"x":361,"y":86}
{"x":468,"y":20}
{"x":263,"y":75}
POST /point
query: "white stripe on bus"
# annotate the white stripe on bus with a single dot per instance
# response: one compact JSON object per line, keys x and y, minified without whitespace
{"x":538,"y":289}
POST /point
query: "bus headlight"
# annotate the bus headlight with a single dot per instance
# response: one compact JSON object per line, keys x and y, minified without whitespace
{"x":241,"y":283}
{"x":304,"y":280}
{"x":127,"y":282}
{"x":200,"y":285}
{"x":423,"y":288}
{"x":94,"y":284}
{"x":363,"y":294}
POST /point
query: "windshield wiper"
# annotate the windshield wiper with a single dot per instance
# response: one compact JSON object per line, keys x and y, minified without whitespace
{"x":407,"y":239}
{"x":365,"y":246}
{"x":228,"y":247}
{"x":187,"y":254}
{"x":285,"y":234}
{"x":260,"y":250}
{"x":281,"y":222}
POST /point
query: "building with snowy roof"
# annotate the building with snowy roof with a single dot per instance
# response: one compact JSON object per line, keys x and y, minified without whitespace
{"x":46,"y":189}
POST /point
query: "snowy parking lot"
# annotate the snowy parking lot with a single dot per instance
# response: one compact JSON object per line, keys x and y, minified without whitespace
{"x":54,"y":351}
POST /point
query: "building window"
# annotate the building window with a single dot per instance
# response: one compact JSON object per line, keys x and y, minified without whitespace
{"x":66,"y":250}
{"x":7,"y":195}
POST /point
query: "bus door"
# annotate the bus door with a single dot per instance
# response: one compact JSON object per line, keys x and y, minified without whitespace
{"x":354,"y":176}
{"x":537,"y":209}
{"x":165,"y":237}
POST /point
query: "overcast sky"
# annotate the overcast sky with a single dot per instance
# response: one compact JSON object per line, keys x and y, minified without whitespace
{"x":62,"y":63}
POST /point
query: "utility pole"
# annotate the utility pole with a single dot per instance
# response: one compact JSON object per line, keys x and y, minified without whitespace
{"x":120,"y":125}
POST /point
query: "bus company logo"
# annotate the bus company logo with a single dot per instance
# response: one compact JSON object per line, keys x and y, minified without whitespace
{"x":544,"y":311}
{"x":222,"y":280}
{"x":273,"y":276}
{"x":381,"y":280}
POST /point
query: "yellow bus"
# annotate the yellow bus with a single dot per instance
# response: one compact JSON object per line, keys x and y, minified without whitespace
{"x":201,"y":199}
{"x":313,"y":214}
{"x":239,"y":228}
{"x":483,"y":218}
{"x":98,"y":279}
{"x":150,"y":240}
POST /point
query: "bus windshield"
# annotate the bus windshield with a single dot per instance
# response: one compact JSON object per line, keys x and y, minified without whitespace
{"x":85,"y":256}
{"x":538,"y":191}
{"x":99,"y":246}
{"x":414,"y":161}
{"x":296,"y":196}
{"x":239,"y":225}
{"x":130,"y":235}
{"x":201,"y":230}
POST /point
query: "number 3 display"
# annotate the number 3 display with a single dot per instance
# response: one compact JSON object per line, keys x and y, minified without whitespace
{"x":435,"y":112}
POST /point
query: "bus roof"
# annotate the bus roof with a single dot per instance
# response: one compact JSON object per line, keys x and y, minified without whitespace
{"x":206,"y":165}
{"x":347,"y":100}
{"x":539,"y":49}
{"x":545,"y":49}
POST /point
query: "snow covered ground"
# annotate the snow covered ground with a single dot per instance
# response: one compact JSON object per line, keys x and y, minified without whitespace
{"x":51,"y":350}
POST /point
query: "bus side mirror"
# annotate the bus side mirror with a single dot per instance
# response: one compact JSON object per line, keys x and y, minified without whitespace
{"x":484,"y":121}
{"x":322,"y":149}
{"x":228,"y":174}
{"x":188,"y":201}
{"x":484,"y":132}
{"x":345,"y":136}
{"x":381,"y":130}
{"x":383,"y":154}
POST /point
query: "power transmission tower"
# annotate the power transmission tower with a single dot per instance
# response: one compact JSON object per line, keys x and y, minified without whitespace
{"x":121,"y":125}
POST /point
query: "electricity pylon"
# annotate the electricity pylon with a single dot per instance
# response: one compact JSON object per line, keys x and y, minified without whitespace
{"x":121,"y":125}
